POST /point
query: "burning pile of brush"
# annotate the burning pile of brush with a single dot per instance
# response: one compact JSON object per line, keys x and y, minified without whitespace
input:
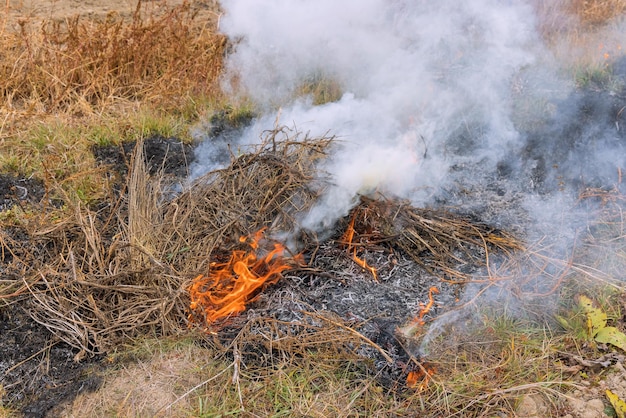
{"x":228,"y":255}
{"x":236,"y":232}
{"x":259,"y":196}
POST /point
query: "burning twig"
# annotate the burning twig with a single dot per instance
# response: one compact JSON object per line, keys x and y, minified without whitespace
{"x":425,"y":308}
{"x":348,"y":236}
{"x":411,"y":328}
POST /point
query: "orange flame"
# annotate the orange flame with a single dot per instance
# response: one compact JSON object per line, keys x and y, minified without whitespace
{"x":227,"y":288}
{"x":348,"y":236}
{"x":425,"y":308}
{"x":419,"y":379}
{"x":418,"y":322}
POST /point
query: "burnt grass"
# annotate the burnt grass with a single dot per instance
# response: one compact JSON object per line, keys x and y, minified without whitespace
{"x":20,"y":190}
{"x":168,"y":156}
{"x":38,"y":372}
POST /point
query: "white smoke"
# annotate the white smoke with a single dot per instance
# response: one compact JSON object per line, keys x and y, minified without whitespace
{"x":413,"y":73}
{"x":448,"y":102}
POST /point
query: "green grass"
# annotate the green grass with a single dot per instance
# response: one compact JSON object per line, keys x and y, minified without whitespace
{"x":598,"y":76}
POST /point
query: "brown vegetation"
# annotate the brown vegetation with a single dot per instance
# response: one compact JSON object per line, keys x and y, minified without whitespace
{"x":79,"y":66}
{"x":598,"y":11}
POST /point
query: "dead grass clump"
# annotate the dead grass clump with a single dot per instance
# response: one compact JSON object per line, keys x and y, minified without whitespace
{"x":267,"y":187}
{"x":92,"y":277}
{"x":97,"y":278}
{"x":597,"y":12}
{"x":84,"y":66}
{"x":435,"y":239}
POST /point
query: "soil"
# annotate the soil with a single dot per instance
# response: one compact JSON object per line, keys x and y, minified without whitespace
{"x":37,"y":371}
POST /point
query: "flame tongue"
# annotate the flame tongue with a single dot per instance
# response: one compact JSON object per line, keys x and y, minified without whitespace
{"x":228,"y":286}
{"x":425,"y":308}
{"x":348,"y":236}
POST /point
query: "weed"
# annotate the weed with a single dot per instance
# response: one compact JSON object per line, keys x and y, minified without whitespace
{"x":599,"y":77}
{"x":102,"y":135}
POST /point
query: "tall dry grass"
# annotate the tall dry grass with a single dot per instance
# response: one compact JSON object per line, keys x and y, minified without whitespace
{"x":563,"y":15}
{"x":597,"y":11}
{"x":82,"y":66}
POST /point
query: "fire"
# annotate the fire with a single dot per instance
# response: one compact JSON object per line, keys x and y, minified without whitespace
{"x":348,"y":236}
{"x":418,"y":322}
{"x":230,"y":285}
{"x":425,"y":308}
{"x":419,"y":379}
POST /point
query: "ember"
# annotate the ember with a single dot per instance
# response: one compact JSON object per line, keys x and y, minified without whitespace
{"x":230,"y":285}
{"x":419,"y":379}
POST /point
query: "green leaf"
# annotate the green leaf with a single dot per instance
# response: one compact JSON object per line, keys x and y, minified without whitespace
{"x":564,"y":322}
{"x":596,"y":318}
{"x":613,"y":336}
{"x":618,"y":404}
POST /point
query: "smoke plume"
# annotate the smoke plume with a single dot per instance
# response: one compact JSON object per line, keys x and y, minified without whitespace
{"x":443,"y":103}
{"x":414,"y":75}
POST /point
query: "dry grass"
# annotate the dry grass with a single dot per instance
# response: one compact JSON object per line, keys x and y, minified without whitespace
{"x":96,"y":279}
{"x":97,"y":276}
{"x":98,"y":283}
{"x":557,"y":18}
{"x":266,"y":187}
{"x":69,"y":83}
{"x":597,"y":12}
{"x":82,"y":67}
{"x":262,"y":370}
{"x":184,"y":379}
{"x":149,"y":376}
{"x":436,"y":240}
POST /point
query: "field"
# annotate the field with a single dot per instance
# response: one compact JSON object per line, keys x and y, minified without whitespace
{"x":129,"y":203}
